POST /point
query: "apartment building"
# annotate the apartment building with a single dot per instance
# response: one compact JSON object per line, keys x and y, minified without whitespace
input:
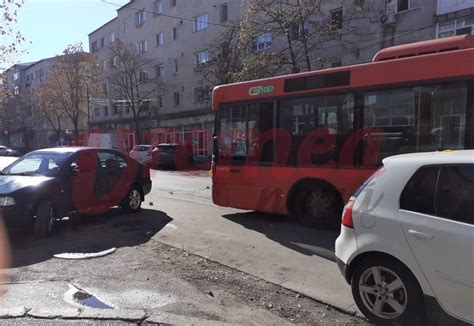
{"x":15,"y":109}
{"x":454,"y":17}
{"x":24,"y":127}
{"x":177,"y":33}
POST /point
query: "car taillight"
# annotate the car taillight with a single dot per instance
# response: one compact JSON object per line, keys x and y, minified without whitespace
{"x":347,"y":215}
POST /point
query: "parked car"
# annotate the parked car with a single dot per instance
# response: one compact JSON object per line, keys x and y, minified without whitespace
{"x":107,"y":140}
{"x":6,"y":151}
{"x":142,"y":153}
{"x":45,"y":185}
{"x":407,"y":239}
{"x":172,"y":156}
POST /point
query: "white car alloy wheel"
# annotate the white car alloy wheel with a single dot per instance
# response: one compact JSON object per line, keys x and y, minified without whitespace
{"x":383,"y":293}
{"x":135,"y":199}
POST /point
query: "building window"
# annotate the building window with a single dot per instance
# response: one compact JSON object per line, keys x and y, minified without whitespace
{"x":160,"y":101}
{"x":142,"y":47}
{"x":16,"y":76}
{"x":403,"y":5}
{"x":160,"y":70}
{"x":104,"y":65}
{"x":16,"y":90}
{"x":158,"y":7}
{"x":160,"y":39}
{"x":140,"y":17}
{"x":105,"y":89}
{"x":175,"y":65}
{"x":115,"y":109}
{"x":175,"y":34}
{"x":112,"y":37}
{"x":102,"y":42}
{"x":94,"y":47}
{"x":224,"y":12}
{"x":172,"y":3}
{"x":114,"y":61}
{"x":105,"y":111}
{"x":127,"y":109}
{"x":264,"y":41}
{"x":143,"y":76}
{"x":124,"y":25}
{"x":96,"y":112}
{"x":304,"y":29}
{"x":202,"y":57}
{"x":202,"y":94}
{"x":176,"y":98}
{"x":299,"y":31}
{"x":201,"y":22}
{"x":336,"y":18}
{"x":464,"y":25}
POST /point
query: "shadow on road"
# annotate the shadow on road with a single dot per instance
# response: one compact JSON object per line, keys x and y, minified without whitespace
{"x":289,"y":233}
{"x":114,"y":229}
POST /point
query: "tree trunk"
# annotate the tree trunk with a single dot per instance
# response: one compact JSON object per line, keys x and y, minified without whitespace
{"x":58,"y":131}
{"x":294,"y":64}
{"x":137,"y":128}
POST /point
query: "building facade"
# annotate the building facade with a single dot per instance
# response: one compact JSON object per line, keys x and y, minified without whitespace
{"x":176,"y":34}
{"x":24,"y":127}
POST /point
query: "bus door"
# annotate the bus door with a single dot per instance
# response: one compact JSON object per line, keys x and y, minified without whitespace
{"x":241,"y":175}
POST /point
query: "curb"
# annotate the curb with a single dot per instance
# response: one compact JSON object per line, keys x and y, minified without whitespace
{"x":130,"y":315}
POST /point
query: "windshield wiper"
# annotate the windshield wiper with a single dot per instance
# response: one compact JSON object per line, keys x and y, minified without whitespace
{"x":24,"y":174}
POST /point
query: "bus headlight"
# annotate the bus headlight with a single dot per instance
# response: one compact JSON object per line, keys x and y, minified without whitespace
{"x":7,"y":201}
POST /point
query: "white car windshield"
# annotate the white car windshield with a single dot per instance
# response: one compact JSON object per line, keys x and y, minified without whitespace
{"x":47,"y":164}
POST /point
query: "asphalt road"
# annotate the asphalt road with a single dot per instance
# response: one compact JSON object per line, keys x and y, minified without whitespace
{"x":268,"y":246}
{"x":180,"y":260}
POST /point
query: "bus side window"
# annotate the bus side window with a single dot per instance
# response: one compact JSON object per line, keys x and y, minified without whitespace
{"x":332,"y":115}
{"x":261,"y":145}
{"x":231,"y":133}
{"x":415,"y":119}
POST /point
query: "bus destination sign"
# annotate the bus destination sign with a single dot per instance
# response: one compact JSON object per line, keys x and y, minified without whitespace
{"x":261,"y":90}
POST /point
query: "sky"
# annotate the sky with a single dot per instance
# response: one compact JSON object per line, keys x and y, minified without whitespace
{"x":50,"y":25}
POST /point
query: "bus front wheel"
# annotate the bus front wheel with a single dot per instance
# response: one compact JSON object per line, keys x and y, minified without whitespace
{"x":317,"y":207}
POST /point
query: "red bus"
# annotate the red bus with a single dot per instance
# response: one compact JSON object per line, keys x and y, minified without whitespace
{"x":301,"y":144}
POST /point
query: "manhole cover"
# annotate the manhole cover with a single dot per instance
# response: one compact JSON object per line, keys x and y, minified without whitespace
{"x":84,"y":252}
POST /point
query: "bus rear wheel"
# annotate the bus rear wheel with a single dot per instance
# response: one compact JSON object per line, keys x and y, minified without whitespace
{"x":317,"y":207}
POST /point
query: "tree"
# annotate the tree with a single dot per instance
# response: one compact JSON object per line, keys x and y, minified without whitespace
{"x":69,"y":86}
{"x":10,"y":38}
{"x":303,"y":27}
{"x":131,"y":82}
{"x":49,"y":110}
{"x":232,"y":60}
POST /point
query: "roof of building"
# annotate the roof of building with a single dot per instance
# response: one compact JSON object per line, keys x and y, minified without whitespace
{"x":101,"y":26}
{"x":42,"y":60}
{"x":120,"y":8}
{"x":125,"y":5}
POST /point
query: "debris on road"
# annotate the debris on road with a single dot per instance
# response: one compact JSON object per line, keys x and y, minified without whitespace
{"x":81,"y":297}
{"x":84,"y":253}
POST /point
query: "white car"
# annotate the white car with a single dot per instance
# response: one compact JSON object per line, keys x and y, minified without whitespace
{"x":407,"y":239}
{"x":142,"y":153}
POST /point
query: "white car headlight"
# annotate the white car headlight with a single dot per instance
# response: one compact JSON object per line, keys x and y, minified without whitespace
{"x":7,"y":201}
